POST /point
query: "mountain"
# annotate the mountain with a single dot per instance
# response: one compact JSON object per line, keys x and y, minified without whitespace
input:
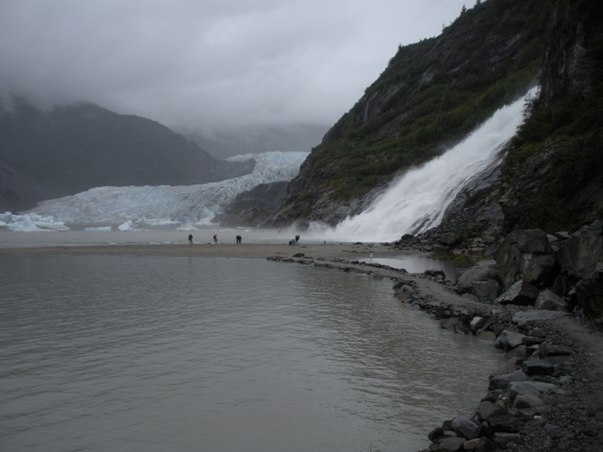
{"x":433,"y":93}
{"x":47,"y":154}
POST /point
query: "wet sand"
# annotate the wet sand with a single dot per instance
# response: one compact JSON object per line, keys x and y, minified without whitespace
{"x":253,"y":250}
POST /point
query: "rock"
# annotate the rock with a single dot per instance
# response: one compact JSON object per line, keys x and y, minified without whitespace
{"x":523,"y":318}
{"x":520,"y":352}
{"x":527,"y":401}
{"x":547,"y":299}
{"x":485,"y":291}
{"x":520,"y":293}
{"x":475,"y":274}
{"x":406,"y":293}
{"x":547,"y":349}
{"x":471,"y":444}
{"x":520,"y":252}
{"x":436,"y":273}
{"x":508,"y":340}
{"x":476,"y":323}
{"x":488,"y":409}
{"x":530,"y":388}
{"x":506,"y":368}
{"x":537,"y":366}
{"x":503,"y":381}
{"x":465,"y":427}
{"x":579,"y":255}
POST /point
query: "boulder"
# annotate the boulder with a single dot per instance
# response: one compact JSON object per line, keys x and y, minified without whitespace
{"x":508,"y":340}
{"x":523,"y":318}
{"x":437,"y":274}
{"x":475,"y":274}
{"x":547,"y":349}
{"x":579,"y":255}
{"x":538,"y":366}
{"x":476,"y":323}
{"x":521,"y":252}
{"x":520,"y":293}
{"x":485,"y":291}
{"x":549,"y":300}
{"x":406,"y":293}
{"x":506,"y":368}
{"x":465,"y":427}
{"x":503,"y":381}
{"x":535,"y":388}
{"x":488,"y":409}
{"x":527,"y":401}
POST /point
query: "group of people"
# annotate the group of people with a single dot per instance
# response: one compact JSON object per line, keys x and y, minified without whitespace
{"x":238,"y":238}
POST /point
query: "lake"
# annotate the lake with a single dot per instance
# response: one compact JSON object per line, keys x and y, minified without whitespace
{"x":148,"y":353}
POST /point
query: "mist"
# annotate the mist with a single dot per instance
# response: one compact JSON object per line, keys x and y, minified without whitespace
{"x":209,"y":66}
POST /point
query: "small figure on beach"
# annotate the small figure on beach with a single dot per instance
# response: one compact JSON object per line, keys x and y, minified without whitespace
{"x":215,"y":239}
{"x":190,"y":239}
{"x":297,"y":239}
{"x":239,"y":239}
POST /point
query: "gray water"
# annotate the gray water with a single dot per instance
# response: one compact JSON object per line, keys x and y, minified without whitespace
{"x":128,"y":353}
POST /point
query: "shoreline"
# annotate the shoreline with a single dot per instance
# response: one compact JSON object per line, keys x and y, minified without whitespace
{"x":567,"y":414}
{"x":251,"y":250}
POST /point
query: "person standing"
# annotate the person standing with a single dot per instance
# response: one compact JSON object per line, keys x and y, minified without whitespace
{"x":215,"y":239}
{"x":190,"y":239}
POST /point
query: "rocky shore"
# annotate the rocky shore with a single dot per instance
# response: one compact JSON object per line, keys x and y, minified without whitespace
{"x":534,"y":302}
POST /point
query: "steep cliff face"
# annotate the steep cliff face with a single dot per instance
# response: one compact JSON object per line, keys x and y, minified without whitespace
{"x":431,"y":94}
{"x":49,"y":154}
{"x":552,"y":174}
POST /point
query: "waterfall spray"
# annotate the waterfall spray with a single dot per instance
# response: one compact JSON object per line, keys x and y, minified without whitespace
{"x":417,"y":200}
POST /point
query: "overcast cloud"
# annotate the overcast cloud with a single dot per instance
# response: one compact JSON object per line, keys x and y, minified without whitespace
{"x":210,"y":64}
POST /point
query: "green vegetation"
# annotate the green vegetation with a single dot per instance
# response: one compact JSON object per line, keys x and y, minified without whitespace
{"x":561,"y":142}
{"x":431,"y":95}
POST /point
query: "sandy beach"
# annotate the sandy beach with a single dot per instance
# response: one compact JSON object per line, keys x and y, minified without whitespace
{"x":252,"y":251}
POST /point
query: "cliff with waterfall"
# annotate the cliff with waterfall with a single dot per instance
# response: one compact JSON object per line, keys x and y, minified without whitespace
{"x":435,"y":93}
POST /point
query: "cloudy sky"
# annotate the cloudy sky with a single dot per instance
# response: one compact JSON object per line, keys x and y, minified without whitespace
{"x":210,"y":64}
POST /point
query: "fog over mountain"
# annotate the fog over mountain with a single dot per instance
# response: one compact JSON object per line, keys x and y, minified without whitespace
{"x":209,"y":66}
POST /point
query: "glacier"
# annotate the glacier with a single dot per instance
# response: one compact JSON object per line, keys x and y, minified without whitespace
{"x":135,"y":207}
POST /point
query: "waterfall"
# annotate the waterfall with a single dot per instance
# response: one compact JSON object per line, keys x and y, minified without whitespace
{"x":416,"y":201}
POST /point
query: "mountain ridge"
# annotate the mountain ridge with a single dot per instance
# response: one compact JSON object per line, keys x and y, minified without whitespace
{"x":64,"y":150}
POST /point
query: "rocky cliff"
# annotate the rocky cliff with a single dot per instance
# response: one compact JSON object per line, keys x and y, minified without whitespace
{"x":431,"y":95}
{"x":48,"y":154}
{"x":434,"y":92}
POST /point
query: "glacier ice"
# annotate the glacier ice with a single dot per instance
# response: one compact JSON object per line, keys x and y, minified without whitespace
{"x":130,"y":208}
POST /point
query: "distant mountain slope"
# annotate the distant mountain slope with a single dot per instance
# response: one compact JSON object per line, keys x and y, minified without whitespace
{"x":431,"y":95}
{"x":49,"y":154}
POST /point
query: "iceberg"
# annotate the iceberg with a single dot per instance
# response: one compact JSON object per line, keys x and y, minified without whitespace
{"x":30,"y":222}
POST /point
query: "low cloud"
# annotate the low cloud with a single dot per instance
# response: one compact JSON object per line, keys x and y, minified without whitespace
{"x":209,"y":64}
